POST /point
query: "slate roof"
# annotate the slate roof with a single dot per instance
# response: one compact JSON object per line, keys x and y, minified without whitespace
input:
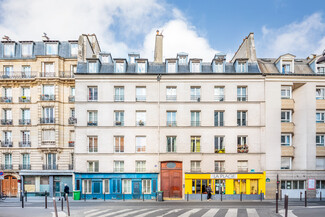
{"x":267,"y":66}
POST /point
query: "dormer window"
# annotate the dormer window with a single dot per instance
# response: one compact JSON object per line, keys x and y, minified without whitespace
{"x":120,"y":66}
{"x":182,"y":60}
{"x":27,"y":49}
{"x":141,"y":66}
{"x":74,"y":49}
{"x":241,"y":67}
{"x":285,"y":63}
{"x":51,"y":48}
{"x":92,"y":67}
{"x":171,"y":65}
{"x":218,"y":63}
{"x":9,"y":50}
{"x":195,"y":65}
{"x":133,"y":57}
{"x":286,"y":67}
{"x":321,"y":69}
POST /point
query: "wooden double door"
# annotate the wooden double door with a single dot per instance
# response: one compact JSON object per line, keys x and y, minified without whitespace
{"x":10,"y":186}
{"x":171,"y":179}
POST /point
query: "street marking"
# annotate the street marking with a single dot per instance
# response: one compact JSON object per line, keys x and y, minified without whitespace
{"x":147,"y":213}
{"x":169,"y":212}
{"x":117,"y":212}
{"x":188,"y":213}
{"x":135,"y":211}
{"x":315,"y":206}
{"x":210,"y":213}
{"x":231,"y":213}
{"x":290,"y":213}
{"x":252,"y":213}
{"x":96,"y":213}
{"x":89,"y":211}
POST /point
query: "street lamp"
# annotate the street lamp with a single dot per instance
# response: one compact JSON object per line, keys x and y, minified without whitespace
{"x":321,"y":59}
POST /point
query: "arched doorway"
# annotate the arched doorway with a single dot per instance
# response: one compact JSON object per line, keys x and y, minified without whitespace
{"x":171,"y":179}
{"x":10,"y":186}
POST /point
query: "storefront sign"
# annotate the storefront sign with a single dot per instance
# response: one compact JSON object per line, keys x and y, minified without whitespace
{"x":223,"y":176}
{"x":311,"y":184}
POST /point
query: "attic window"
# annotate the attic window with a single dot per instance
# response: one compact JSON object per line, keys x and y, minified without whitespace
{"x":242,"y":67}
{"x":73,"y":49}
{"x":321,"y":69}
{"x":27,"y":49}
{"x":92,"y":67}
{"x":182,"y":60}
{"x":219,"y":67}
{"x":286,"y":67}
{"x":51,"y":48}
{"x":141,"y":67}
{"x":132,"y":59}
{"x":171,"y":66}
{"x":105,"y":59}
{"x":119,"y":67}
{"x":9,"y":50}
{"x":196,"y":67}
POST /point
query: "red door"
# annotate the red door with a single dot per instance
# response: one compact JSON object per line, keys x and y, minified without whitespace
{"x":171,"y":179}
{"x":10,"y":186}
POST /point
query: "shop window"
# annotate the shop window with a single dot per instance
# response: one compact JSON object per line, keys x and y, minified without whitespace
{"x":86,"y":189}
{"x":146,"y":186}
{"x":198,"y":186}
{"x":106,"y":186}
{"x":78,"y":185}
{"x":220,"y":186}
{"x":320,"y":184}
{"x":293,"y":184}
{"x":204,"y":186}
{"x":254,"y":186}
{"x":236,"y":186}
{"x":126,"y":186}
{"x":44,"y":180}
{"x":29,"y":180}
{"x":116,"y":184}
{"x":193,"y":186}
{"x":154,"y":185}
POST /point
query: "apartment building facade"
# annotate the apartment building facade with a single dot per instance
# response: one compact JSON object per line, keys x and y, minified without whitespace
{"x":37,"y":115}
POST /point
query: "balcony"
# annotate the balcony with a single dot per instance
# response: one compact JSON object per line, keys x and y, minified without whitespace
{"x":287,"y":104}
{"x":140,"y":123}
{"x":119,"y":123}
{"x":287,"y":127}
{"x":220,"y":150}
{"x":7,"y":122}
{"x":218,"y":123}
{"x":47,"y":120}
{"x":287,"y":151}
{"x":71,"y":98}
{"x":47,"y":75}
{"x":119,"y":98}
{"x":140,"y":98}
{"x":195,"y":123}
{"x":242,"y":98}
{"x":24,"y":99}
{"x":25,"y":144}
{"x":6,"y":166}
{"x":171,"y":97}
{"x":72,"y":120}
{"x":6,"y":99}
{"x":242,"y":148}
{"x":68,"y":74}
{"x":48,"y":142}
{"x":50,"y":166}
{"x":47,"y":97}
{"x":171,"y":124}
{"x":196,"y":98}
{"x":18,"y":75}
{"x":24,"y":166}
{"x":24,"y":122}
{"x":219,"y":98}
{"x":92,"y":123}
{"x":6,"y":144}
{"x":71,"y":143}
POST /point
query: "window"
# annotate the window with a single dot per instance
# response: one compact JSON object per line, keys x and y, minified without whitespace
{"x":295,"y":184}
{"x":218,"y":118}
{"x":92,"y":118}
{"x":182,"y":60}
{"x":119,"y":166}
{"x":319,"y":139}
{"x":320,"y":184}
{"x":218,"y":67}
{"x":195,"y":144}
{"x":195,"y":94}
{"x":286,"y":68}
{"x":140,"y":94}
{"x":93,"y":166}
{"x":141,"y":118}
{"x":8,"y":161}
{"x":48,"y":70}
{"x":51,"y":48}
{"x":141,"y":67}
{"x":218,"y":144}
{"x":26,"y":71}
{"x":119,"y":67}
{"x":74,"y":49}
{"x":196,"y":67}
{"x":106,"y":186}
{"x":92,"y":94}
{"x":25,"y":91}
{"x":119,"y":94}
{"x":140,"y":166}
{"x":48,"y":115}
{"x":171,"y":94}
{"x":171,"y":143}
{"x":171,"y":67}
{"x":9,"y":50}
{"x":73,"y":69}
{"x":242,"y":166}
{"x":118,"y":144}
{"x":92,"y":67}
{"x":7,"y":116}
{"x":286,"y":115}
{"x":195,"y":118}
{"x":119,"y":118}
{"x":320,"y":117}
{"x":286,"y":139}
{"x":242,"y":94}
{"x":126,"y":186}
{"x":48,"y":136}
{"x":320,"y":163}
{"x":219,"y":166}
{"x":242,"y":146}
{"x":241,"y":118}
{"x":26,"y":161}
{"x":116,"y":186}
{"x":241,"y":67}
{"x":321,"y":70}
{"x":8,"y":71}
{"x":286,"y":163}
{"x":25,"y":116}
{"x":86,"y":186}
{"x":140,"y":144}
{"x":320,"y":93}
{"x":146,"y":186}
{"x":7,"y":93}
{"x":25,"y":138}
{"x":286,"y":92}
{"x":26,"y":49}
{"x":219,"y":94}
{"x":51,"y":161}
{"x":195,"y":166}
{"x":171,"y":119}
{"x":92,"y":144}
{"x":7,"y":138}
{"x":48,"y":93}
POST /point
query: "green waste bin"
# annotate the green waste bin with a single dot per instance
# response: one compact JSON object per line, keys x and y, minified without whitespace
{"x":76,"y":195}
{"x":160,"y":195}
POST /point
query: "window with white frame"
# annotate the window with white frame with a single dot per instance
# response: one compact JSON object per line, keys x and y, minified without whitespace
{"x":195,"y":93}
{"x":141,"y":67}
{"x":286,"y":92}
{"x":26,"y":71}
{"x":286,"y":115}
{"x":25,"y":91}
{"x":92,"y":67}
{"x":219,"y":67}
{"x":48,"y":70}
{"x":195,"y":143}
{"x":106,"y":186}
{"x":171,"y":143}
{"x":119,"y":67}
{"x":51,"y":48}
{"x":9,"y":50}
{"x":321,"y":70}
{"x":7,"y":137}
{"x":242,"y":166}
{"x":242,"y":94}
{"x":146,"y":186}
{"x":196,"y":67}
{"x":171,"y":94}
{"x":218,"y":118}
{"x":7,"y":92}
{"x":93,"y":166}
{"x":171,"y":67}
{"x":7,"y":116}
{"x":140,"y":145}
{"x":320,"y":163}
{"x":8,"y":70}
{"x":92,"y":94}
{"x":242,"y":67}
{"x":195,"y":118}
{"x":320,"y":93}
{"x":320,"y":117}
{"x":219,"y":93}
{"x":26,"y":49}
{"x":140,"y":93}
{"x":126,"y":186}
{"x":195,"y":166}
{"x":140,"y":118}
{"x":86,"y":186}
{"x":182,"y":60}
{"x":140,"y":166}
{"x":8,"y":160}
{"x":286,"y":139}
{"x":119,"y":118}
{"x":320,"y":139}
{"x":242,"y":140}
{"x":241,"y":118}
{"x":119,"y":94}
{"x":219,"y":166}
{"x":286,"y":163}
{"x":286,"y":67}
{"x":48,"y":136}
{"x":73,"y":49}
{"x":92,"y":144}
{"x":119,"y":166}
{"x":218,"y":144}
{"x":119,"y":144}
{"x":92,"y":118}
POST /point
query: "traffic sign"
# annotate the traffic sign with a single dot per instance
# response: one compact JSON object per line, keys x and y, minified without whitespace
{"x":1,"y":173}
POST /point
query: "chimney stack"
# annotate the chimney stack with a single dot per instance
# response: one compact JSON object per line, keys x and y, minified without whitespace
{"x":158,"y":48}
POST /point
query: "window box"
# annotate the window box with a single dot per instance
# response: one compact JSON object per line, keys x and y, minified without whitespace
{"x":220,"y":151}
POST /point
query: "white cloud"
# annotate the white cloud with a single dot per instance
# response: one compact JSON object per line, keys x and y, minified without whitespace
{"x":121,"y":26}
{"x":299,"y":38}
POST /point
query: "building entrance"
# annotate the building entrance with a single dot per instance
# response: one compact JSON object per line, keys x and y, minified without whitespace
{"x":171,"y":179}
{"x":10,"y":186}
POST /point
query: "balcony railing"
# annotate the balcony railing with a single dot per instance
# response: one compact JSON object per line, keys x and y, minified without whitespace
{"x":47,"y":97}
{"x":195,"y":170}
{"x":118,"y":98}
{"x":242,"y":169}
{"x":92,"y":123}
{"x":24,"y":166}
{"x":219,"y":98}
{"x":241,"y":123}
{"x":71,"y":143}
{"x":171,"y":124}
{"x":72,"y":120}
{"x":242,"y":148}
{"x":24,"y":122}
{"x":71,"y":98}
{"x":6,"y":99}
{"x":50,"y":166}
{"x":140,"y":123}
{"x":66,"y":74}
{"x":6,"y":166}
{"x":140,"y":98}
{"x":47,"y":120}
{"x":171,"y":97}
{"x":47,"y":74}
{"x":195,"y":123}
{"x":118,"y":123}
{"x":24,"y":99}
{"x":18,"y":75}
{"x":49,"y":142}
{"x":220,"y":169}
{"x":218,"y":123}
{"x":242,"y":98}
{"x":196,"y":98}
{"x":6,"y":121}
{"x":25,"y":144}
{"x":6,"y":144}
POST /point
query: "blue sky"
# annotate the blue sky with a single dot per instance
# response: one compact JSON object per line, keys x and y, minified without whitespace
{"x":200,"y":28}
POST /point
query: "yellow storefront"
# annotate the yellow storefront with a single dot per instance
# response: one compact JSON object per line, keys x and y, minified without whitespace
{"x":225,"y":183}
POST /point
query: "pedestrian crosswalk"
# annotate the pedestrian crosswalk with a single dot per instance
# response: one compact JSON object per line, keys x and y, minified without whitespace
{"x":169,"y":212}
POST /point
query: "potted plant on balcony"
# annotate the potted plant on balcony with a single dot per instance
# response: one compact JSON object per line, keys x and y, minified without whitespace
{"x":23,"y":97}
{"x":223,"y":150}
{"x":141,"y":123}
{"x":118,"y":123}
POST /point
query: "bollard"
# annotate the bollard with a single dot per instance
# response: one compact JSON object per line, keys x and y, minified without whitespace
{"x":142,"y":196}
{"x":22,"y":201}
{"x":45,"y":200}
{"x":187,"y":196}
{"x":62,"y":204}
{"x":280,"y":195}
{"x":68,"y":207}
{"x":55,"y":209}
{"x":320,"y":196}
{"x":21,"y":194}
{"x":26,"y":196}
{"x":123,"y":196}
{"x":221,"y":196}
{"x":85,"y":197}
{"x":300,"y":196}
{"x":261,"y":196}
{"x":305,"y":198}
{"x":104,"y":196}
{"x":286,"y":201}
{"x":277,"y":202}
{"x":156,"y":196}
{"x":241,"y":196}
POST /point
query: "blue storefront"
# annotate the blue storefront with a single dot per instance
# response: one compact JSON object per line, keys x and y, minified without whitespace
{"x":117,"y":186}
